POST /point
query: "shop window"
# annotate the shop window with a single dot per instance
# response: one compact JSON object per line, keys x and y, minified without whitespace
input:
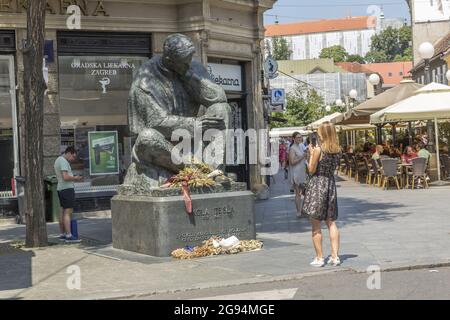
{"x":6,"y":129}
{"x":93,"y":109}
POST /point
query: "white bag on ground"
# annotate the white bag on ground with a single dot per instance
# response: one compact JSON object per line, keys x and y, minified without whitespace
{"x":229,"y":242}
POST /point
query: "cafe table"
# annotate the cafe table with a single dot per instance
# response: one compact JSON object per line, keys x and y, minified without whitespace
{"x":404,"y":168}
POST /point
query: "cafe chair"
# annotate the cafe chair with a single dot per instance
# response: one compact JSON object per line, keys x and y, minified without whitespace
{"x":376,"y":172}
{"x":342,"y":165}
{"x":445,"y":162}
{"x":419,"y":171}
{"x":369,"y":171}
{"x":349,"y":165}
{"x":390,"y":171}
{"x":355,"y":166}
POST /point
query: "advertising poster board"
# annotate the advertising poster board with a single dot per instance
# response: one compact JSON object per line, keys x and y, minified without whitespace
{"x":103,"y":153}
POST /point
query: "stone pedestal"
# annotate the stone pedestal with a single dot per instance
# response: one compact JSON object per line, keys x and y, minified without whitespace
{"x":157,"y":225}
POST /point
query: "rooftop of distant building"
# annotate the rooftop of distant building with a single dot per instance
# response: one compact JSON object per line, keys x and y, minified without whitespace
{"x":354,"y":67}
{"x":308,"y":66}
{"x":320,"y":26}
{"x":391,"y":72}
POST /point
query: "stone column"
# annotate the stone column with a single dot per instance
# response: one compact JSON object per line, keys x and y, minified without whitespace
{"x":52,"y":121}
{"x":20,"y":34}
{"x":255,"y":112}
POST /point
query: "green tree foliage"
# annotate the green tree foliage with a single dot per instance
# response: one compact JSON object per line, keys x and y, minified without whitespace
{"x":391,"y":45}
{"x":280,"y":49}
{"x":303,"y":107}
{"x":376,"y":57}
{"x":337,"y":53}
{"x":356,"y":58}
{"x":407,"y":56}
{"x":278,"y":124}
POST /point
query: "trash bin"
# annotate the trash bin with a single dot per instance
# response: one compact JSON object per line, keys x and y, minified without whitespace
{"x":20,"y":192}
{"x":51,"y":199}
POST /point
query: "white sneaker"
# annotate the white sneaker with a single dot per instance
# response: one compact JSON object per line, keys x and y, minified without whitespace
{"x":317,"y":262}
{"x":334,"y":262}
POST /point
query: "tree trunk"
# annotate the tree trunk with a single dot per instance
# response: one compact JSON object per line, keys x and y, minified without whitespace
{"x":34,"y":87}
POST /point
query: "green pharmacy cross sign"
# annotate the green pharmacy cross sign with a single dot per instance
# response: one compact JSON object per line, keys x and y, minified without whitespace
{"x":103,"y":153}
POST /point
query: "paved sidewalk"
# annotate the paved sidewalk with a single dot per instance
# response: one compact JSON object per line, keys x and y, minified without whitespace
{"x":392,"y":229}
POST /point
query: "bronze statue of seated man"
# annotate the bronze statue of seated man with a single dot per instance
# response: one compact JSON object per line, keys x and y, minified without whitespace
{"x":170,"y":92}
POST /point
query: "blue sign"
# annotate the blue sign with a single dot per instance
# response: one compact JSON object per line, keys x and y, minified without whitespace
{"x":278,"y":97}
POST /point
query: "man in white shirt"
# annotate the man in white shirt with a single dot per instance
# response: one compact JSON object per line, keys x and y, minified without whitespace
{"x":66,"y":192}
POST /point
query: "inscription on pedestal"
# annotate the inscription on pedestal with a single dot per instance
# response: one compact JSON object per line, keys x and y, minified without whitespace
{"x":201,"y":236}
{"x":215,"y":213}
{"x":157,"y":226}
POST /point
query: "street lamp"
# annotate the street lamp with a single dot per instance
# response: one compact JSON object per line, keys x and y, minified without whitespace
{"x":353,"y":94}
{"x":374,"y":80}
{"x":426,"y":52}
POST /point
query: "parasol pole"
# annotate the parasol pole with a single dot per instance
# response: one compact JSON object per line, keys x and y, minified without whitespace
{"x":436,"y":128}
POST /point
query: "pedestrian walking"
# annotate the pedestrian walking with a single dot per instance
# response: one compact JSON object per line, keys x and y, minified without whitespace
{"x":320,"y":202}
{"x":297,"y":168}
{"x":282,"y":154}
{"x":66,"y":192}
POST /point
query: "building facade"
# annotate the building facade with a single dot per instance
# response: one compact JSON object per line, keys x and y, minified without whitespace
{"x":330,"y":81}
{"x":91,"y":66}
{"x":307,"y":39}
{"x":446,"y":57}
{"x":391,"y":73}
{"x":438,"y":63}
{"x":430,"y":22}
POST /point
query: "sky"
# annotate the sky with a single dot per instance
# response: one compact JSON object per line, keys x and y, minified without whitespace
{"x":289,"y":11}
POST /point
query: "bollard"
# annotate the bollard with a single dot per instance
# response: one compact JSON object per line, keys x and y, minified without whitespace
{"x":74,"y":228}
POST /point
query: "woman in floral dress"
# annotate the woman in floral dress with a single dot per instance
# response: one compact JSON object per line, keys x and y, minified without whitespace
{"x":320,"y":202}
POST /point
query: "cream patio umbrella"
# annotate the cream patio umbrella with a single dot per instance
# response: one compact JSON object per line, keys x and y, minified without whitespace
{"x":333,"y":118}
{"x":288,"y":131}
{"x":431,"y":102}
{"x":428,"y":103}
{"x":361,"y":113}
{"x":404,"y":90}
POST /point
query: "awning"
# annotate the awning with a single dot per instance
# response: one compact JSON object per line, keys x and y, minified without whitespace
{"x":404,"y":90}
{"x":355,"y":127}
{"x":428,"y":103}
{"x":333,"y":118}
{"x":431,"y":102}
{"x":288,"y":132}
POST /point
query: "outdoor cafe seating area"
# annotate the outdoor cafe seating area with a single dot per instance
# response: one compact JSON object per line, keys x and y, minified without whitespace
{"x":395,"y":120}
{"x":418,"y":112}
{"x":390,"y":172}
